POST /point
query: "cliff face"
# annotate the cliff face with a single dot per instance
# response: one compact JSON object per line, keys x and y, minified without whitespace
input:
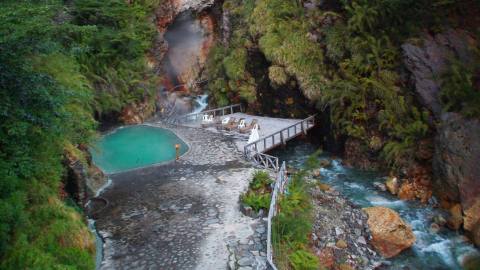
{"x":428,"y":61}
{"x":457,"y":141}
{"x":186,"y":33}
{"x":456,"y":170}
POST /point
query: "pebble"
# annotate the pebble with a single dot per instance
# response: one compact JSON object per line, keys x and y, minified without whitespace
{"x":361,"y":240}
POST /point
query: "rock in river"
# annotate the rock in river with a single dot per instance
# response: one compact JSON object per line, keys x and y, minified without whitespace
{"x":390,"y":234}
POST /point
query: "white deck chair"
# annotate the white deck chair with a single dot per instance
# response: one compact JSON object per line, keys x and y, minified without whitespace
{"x":205,"y":118}
{"x":210,"y":118}
{"x":226,"y":120}
{"x":242,"y":123}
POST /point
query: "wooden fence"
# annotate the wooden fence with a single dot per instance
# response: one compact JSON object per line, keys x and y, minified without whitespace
{"x":193,"y":117}
{"x":279,"y":188}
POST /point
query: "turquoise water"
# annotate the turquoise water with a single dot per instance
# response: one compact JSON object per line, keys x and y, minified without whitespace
{"x":443,"y":250}
{"x":134,"y":147}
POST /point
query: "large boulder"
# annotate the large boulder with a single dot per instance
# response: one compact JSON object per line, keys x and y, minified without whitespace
{"x":455,"y":218}
{"x":390,"y":234}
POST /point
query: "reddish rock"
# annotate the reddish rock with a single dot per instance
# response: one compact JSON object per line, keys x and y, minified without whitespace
{"x":455,"y":219}
{"x":326,"y":257}
{"x":390,"y":234}
{"x":392,"y":185}
{"x":471,"y":215}
{"x":137,"y":113}
{"x":407,"y":191}
{"x":418,"y":186}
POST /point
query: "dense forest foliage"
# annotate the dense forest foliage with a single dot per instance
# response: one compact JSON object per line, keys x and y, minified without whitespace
{"x":346,"y":59}
{"x":60,"y":62}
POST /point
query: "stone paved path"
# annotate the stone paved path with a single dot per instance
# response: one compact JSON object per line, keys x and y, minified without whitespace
{"x":183,"y":215}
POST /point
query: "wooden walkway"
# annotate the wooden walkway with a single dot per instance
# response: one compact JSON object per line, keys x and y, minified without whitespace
{"x":256,"y":150}
{"x":273,"y":132}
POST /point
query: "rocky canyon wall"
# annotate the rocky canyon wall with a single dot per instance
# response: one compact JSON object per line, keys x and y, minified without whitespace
{"x":185,"y":34}
{"x":456,"y":174}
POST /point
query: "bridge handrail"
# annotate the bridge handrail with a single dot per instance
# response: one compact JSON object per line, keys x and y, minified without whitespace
{"x":266,"y":160}
{"x":306,"y":120}
{"x":279,"y":188}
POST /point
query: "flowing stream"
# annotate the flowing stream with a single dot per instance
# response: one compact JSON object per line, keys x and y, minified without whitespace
{"x":443,"y":250}
{"x":201,"y":102}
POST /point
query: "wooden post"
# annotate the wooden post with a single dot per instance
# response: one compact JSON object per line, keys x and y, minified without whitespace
{"x":177,"y":151}
{"x":281,"y":138}
{"x":231,"y":109}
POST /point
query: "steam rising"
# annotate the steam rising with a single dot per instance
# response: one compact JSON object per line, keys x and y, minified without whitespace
{"x":185,"y":38}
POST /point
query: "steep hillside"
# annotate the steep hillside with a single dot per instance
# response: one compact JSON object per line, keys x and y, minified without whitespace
{"x":397,"y":80}
{"x":62,"y":64}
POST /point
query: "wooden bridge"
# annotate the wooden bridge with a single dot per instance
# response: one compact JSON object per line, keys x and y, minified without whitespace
{"x":256,"y":150}
{"x":273,"y":132}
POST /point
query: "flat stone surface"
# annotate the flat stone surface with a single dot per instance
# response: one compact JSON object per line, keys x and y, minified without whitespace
{"x":180,"y":215}
{"x":268,"y":125}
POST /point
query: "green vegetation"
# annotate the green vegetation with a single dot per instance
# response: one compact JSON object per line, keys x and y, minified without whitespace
{"x":303,"y":260}
{"x":461,"y":88}
{"x":229,"y":78}
{"x":292,"y":226}
{"x":60,"y":62}
{"x":259,"y":192}
{"x":114,"y":57}
{"x":346,"y":58}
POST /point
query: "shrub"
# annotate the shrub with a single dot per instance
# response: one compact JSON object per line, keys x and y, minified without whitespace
{"x":292,"y":226}
{"x":277,"y":75}
{"x":256,"y":201}
{"x":460,"y":88}
{"x":304,"y":260}
{"x":259,"y":194}
{"x":260,"y":180}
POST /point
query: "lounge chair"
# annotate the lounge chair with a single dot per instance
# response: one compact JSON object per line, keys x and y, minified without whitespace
{"x":247,"y":128}
{"x":232,"y":126}
{"x":235,"y":125}
{"x":242,"y":124}
{"x":208,"y":121}
{"x":226,"y":122}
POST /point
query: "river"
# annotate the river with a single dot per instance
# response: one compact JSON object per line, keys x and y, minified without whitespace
{"x":443,"y":250}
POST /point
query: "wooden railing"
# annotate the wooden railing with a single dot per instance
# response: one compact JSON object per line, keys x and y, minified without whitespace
{"x":193,"y":117}
{"x":279,"y":188}
{"x":254,"y":151}
{"x":267,"y":161}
